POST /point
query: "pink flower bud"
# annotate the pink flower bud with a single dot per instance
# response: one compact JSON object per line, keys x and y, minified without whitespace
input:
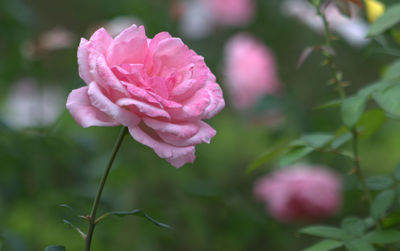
{"x":250,"y":71}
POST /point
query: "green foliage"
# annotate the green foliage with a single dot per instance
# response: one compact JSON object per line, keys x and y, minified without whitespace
{"x":377,"y":183}
{"x":325,"y":232}
{"x":382,"y":202}
{"x":370,"y":122}
{"x":330,"y":104}
{"x":75,"y":227}
{"x":389,"y":18}
{"x":391,"y":220}
{"x":55,"y":248}
{"x":266,"y":157}
{"x":136,"y":212}
{"x":392,"y":72}
{"x":354,"y":226}
{"x":294,"y":154}
{"x":389,"y":99}
{"x":317,"y":140}
{"x":316,"y":3}
{"x":325,"y":245}
{"x":383,"y":236}
{"x":358,"y":245}
{"x":353,"y":109}
{"x":396,"y":173}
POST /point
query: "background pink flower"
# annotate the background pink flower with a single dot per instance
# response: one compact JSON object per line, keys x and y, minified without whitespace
{"x":158,"y":88}
{"x":250,"y":71}
{"x":231,"y":12}
{"x":300,"y":193}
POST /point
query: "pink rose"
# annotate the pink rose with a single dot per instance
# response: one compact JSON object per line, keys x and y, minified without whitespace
{"x":158,"y":88}
{"x":231,"y":12}
{"x":300,"y":193}
{"x":250,"y":71}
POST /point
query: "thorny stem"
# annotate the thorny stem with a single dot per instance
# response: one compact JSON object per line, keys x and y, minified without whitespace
{"x":337,"y":77}
{"x":92,"y":217}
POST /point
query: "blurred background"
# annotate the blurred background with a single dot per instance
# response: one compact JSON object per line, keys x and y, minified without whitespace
{"x":47,"y":159}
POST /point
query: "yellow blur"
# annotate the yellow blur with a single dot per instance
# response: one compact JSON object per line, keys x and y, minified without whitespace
{"x":374,"y":9}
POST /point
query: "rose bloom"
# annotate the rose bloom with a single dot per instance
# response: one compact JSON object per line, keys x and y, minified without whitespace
{"x":158,"y":88}
{"x":300,"y":192}
{"x":250,"y":71}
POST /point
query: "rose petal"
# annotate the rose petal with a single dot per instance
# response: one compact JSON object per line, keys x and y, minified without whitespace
{"x":177,"y":156}
{"x":183,"y":129}
{"x":144,"y":107}
{"x":105,"y":77}
{"x":129,"y":47}
{"x":217,"y":102}
{"x":83,"y":63}
{"x":104,"y":104}
{"x":204,"y":134}
{"x":84,"y":113}
{"x":169,"y":55}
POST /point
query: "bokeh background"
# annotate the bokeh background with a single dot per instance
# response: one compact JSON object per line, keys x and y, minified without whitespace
{"x":47,"y":159}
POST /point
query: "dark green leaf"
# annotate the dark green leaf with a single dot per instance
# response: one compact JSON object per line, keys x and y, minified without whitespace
{"x":136,"y":212}
{"x":317,"y":140}
{"x":325,"y":245}
{"x":324,"y":232}
{"x":392,"y":72}
{"x":396,"y":173}
{"x":76,"y":228}
{"x":370,"y":122}
{"x":382,"y":203}
{"x":369,"y":222}
{"x":329,"y":104}
{"x":358,"y":245}
{"x":55,"y":248}
{"x":383,"y":236}
{"x":265,"y":157}
{"x":340,"y":140}
{"x":386,"y":21}
{"x":376,"y":86}
{"x":352,"y":109}
{"x":391,"y":220}
{"x":354,"y":226}
{"x":389,"y":100}
{"x":294,"y":155}
{"x":377,"y":183}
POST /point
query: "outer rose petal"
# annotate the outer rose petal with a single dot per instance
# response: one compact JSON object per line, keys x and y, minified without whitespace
{"x":98,"y":42}
{"x":217,"y":102}
{"x":84,"y":113}
{"x":179,"y":129}
{"x":104,"y":104}
{"x":204,"y":134}
{"x":177,"y":156}
{"x":83,"y":63}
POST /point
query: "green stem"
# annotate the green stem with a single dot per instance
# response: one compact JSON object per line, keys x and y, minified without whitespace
{"x":92,"y":217}
{"x":357,"y":166}
{"x":339,"y":82}
{"x":329,"y":57}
